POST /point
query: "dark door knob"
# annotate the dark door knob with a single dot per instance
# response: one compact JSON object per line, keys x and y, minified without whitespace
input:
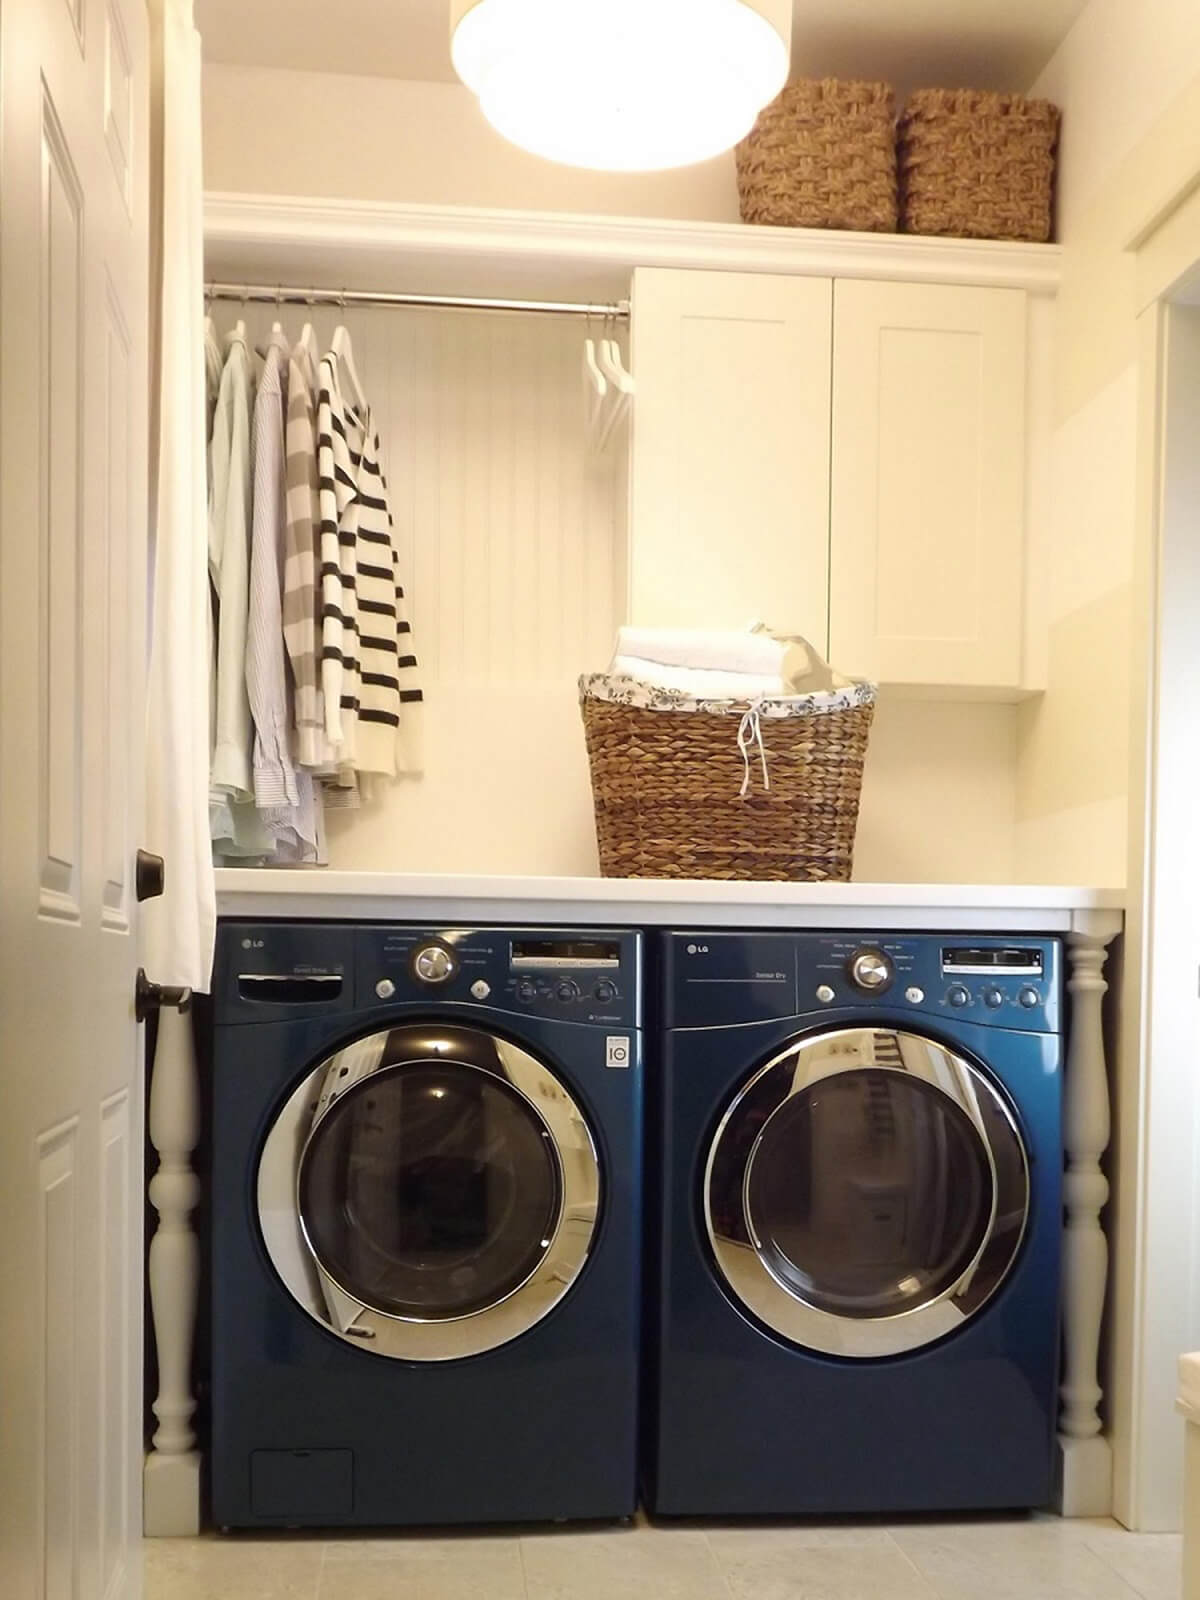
{"x":149,"y":876}
{"x":148,"y":997}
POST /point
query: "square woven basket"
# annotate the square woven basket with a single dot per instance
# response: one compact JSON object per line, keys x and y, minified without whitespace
{"x":823,"y":155}
{"x":671,"y":782}
{"x":978,"y":166}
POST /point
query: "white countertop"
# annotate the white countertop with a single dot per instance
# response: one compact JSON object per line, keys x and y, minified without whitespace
{"x":642,"y":902}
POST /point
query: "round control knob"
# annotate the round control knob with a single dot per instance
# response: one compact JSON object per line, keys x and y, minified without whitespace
{"x":567,"y":990}
{"x":526,"y":989}
{"x":434,"y":964}
{"x":385,"y":988}
{"x":826,"y":995}
{"x":480,"y":989}
{"x":870,"y":970}
{"x":605,"y":991}
{"x":1030,"y":998}
{"x":959,"y":996}
{"x":914,"y":995}
{"x":993,"y":999}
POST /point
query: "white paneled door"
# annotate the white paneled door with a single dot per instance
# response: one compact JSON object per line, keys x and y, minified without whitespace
{"x":73,"y":427}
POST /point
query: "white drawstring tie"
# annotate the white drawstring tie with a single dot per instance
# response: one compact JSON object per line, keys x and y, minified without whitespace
{"x":750,"y":734}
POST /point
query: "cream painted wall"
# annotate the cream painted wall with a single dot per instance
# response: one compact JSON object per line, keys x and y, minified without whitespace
{"x":1128,"y":79}
{"x":1124,"y":77}
{"x":417,"y":143}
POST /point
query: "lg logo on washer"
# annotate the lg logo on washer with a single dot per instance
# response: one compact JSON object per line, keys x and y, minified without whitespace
{"x":697,"y":949}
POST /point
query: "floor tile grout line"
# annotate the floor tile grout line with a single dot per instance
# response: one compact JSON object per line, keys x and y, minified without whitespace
{"x":524,"y":1570}
{"x":914,"y":1565}
{"x":1134,"y":1589}
{"x":716,"y":1561}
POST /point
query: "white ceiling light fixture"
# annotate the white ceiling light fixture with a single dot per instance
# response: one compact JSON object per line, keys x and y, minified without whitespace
{"x":622,"y":85}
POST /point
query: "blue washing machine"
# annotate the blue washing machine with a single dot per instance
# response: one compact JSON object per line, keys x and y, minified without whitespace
{"x":855,"y":1290}
{"x":425,"y":1224}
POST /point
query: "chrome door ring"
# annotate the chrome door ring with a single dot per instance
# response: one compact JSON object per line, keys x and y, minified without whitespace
{"x":347,"y":1315}
{"x":736,"y":1244}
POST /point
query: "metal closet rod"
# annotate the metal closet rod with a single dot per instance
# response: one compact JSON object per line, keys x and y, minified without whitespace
{"x":279,"y":295}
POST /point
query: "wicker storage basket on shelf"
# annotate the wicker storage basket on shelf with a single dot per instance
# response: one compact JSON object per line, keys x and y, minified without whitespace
{"x":725,"y":789}
{"x":823,"y":155}
{"x":978,"y":166}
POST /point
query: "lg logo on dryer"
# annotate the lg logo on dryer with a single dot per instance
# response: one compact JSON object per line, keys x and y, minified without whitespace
{"x":697,"y":949}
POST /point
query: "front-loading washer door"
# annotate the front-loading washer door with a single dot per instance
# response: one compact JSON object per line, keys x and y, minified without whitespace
{"x":866,"y":1192}
{"x":429,"y":1192}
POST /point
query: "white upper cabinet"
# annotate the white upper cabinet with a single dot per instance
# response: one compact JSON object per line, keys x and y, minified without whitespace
{"x":927,"y":524}
{"x":851,"y":460}
{"x":730,"y":471}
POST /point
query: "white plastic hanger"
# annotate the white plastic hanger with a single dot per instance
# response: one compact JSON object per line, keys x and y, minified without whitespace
{"x":343,"y":349}
{"x":308,"y":341}
{"x":623,"y":386}
{"x":595,"y":386}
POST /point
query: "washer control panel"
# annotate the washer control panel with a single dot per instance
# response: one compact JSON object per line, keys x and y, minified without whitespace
{"x":715,"y":979}
{"x":277,"y":971}
{"x":574,"y":976}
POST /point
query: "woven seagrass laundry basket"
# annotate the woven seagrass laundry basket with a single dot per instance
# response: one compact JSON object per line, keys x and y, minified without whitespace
{"x":978,"y":166}
{"x":823,"y":155}
{"x":688,"y":788}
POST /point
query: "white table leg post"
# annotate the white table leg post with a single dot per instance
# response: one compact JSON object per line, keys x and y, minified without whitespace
{"x":171,"y":1482}
{"x":1085,"y":1455}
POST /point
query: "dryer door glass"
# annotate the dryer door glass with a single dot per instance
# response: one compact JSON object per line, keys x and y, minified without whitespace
{"x":430,"y":1190}
{"x":869,"y":1194}
{"x":866,"y":1192}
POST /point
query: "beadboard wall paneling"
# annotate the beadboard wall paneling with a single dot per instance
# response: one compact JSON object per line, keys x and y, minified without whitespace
{"x":510,"y":530}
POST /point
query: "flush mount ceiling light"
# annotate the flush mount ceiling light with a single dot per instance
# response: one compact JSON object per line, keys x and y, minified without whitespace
{"x":622,"y":85}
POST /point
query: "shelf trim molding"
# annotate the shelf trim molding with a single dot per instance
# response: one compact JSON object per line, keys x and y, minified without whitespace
{"x":399,"y":233}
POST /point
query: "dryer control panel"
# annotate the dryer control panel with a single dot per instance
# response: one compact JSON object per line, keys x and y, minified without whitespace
{"x":719,"y":979}
{"x":268,"y":971}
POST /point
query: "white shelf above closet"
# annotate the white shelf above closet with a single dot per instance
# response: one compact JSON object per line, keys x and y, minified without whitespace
{"x":457,"y":250}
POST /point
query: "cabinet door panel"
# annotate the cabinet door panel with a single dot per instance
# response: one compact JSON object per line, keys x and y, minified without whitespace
{"x":730,"y":489}
{"x":928,"y":484}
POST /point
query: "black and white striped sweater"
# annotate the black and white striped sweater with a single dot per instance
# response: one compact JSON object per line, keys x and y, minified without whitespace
{"x":368,"y":664}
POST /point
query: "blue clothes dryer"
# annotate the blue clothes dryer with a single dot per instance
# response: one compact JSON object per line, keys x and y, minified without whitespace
{"x":426,"y":1224}
{"x":855,"y":1286}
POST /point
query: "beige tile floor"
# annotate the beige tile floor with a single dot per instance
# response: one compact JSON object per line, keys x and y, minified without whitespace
{"x":984,"y":1559}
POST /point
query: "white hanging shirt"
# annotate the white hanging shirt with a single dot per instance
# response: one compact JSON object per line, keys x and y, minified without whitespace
{"x":229,"y":514}
{"x":266,"y":671}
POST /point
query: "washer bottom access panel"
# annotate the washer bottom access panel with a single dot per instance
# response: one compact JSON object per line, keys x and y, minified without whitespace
{"x":856,"y":1281}
{"x":426,"y":1225}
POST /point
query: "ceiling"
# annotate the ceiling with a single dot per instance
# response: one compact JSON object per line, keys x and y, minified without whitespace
{"x":986,"y":44}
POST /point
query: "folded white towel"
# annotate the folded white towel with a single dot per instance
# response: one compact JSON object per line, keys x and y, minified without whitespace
{"x":696,"y":681}
{"x":715,"y":651}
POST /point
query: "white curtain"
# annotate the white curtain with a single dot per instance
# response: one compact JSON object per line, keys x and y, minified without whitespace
{"x":178,"y":929}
